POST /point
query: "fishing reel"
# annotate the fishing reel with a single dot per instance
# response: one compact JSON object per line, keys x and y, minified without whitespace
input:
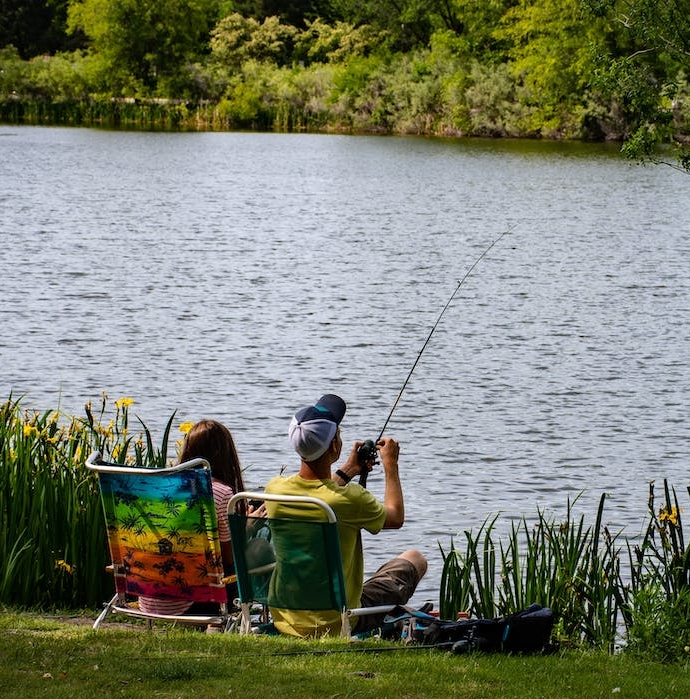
{"x":366,"y":453}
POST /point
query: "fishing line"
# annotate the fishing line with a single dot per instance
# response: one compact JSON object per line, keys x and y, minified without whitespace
{"x":366,"y":649}
{"x":353,"y":648}
{"x":368,"y":449}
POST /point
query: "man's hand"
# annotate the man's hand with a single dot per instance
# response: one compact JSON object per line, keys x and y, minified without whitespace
{"x":389,"y":450}
{"x":351,"y":468}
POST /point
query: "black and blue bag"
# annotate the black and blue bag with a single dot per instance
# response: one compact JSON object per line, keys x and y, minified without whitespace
{"x":526,"y":631}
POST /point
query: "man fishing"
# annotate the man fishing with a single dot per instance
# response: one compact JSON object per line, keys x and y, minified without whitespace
{"x":314,"y":433}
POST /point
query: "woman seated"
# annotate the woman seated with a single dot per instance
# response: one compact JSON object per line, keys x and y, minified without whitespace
{"x":212,"y":441}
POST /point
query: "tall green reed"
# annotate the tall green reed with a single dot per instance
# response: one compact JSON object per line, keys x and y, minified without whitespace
{"x":656,"y":602}
{"x":468,"y":580}
{"x":567,"y":566}
{"x":53,"y":549}
{"x":662,"y":556}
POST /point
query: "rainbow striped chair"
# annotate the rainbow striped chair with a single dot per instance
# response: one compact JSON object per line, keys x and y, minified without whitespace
{"x":162,"y":533}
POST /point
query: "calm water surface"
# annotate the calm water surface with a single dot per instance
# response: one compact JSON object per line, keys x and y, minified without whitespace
{"x":239,"y":276}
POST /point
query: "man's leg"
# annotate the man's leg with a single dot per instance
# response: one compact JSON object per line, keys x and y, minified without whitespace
{"x":393,"y":583}
{"x":418,"y":561}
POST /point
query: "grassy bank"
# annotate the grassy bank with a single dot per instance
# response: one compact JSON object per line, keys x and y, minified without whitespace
{"x":54,"y":658}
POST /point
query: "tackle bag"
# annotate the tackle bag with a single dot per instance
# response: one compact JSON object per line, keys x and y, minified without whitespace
{"x":527,"y":631}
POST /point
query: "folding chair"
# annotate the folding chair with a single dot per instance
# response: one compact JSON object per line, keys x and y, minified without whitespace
{"x":291,"y":562}
{"x":163,"y":538}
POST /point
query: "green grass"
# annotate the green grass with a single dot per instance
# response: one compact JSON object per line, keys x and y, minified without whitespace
{"x":46,"y":656}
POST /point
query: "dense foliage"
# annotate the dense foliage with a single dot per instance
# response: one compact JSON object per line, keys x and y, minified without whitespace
{"x":587,"y":69}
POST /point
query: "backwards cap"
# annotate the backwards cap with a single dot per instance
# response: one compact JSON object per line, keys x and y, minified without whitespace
{"x":312,"y":428}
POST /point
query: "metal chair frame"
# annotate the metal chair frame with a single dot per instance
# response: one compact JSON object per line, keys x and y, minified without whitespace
{"x":246,"y":592}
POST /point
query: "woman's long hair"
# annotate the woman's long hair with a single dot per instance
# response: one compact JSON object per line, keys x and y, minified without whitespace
{"x":211,"y":440}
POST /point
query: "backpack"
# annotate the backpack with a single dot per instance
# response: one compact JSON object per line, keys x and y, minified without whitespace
{"x":526,"y":631}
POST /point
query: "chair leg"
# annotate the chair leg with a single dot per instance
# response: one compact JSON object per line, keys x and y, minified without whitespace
{"x":345,"y":628}
{"x":105,"y":611}
{"x":246,"y":618}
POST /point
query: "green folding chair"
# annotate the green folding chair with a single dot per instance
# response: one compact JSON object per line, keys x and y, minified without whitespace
{"x":292,"y":562}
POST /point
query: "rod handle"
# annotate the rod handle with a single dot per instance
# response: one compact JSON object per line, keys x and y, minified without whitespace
{"x":366,"y":453}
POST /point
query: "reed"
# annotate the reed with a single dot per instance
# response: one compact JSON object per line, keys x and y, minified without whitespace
{"x":578,"y":571}
{"x":171,"y":115}
{"x":53,"y":549}
{"x":656,"y":601}
{"x":468,"y":580}
{"x":662,"y":557}
{"x":567,"y":566}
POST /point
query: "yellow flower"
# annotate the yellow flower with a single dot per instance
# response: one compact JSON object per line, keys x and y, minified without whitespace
{"x":30,"y":431}
{"x":185,"y":427}
{"x":63,"y":565}
{"x":124,"y":403}
{"x":669,"y":515}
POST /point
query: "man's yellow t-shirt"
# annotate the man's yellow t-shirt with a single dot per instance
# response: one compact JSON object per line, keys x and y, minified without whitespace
{"x":356,"y":509}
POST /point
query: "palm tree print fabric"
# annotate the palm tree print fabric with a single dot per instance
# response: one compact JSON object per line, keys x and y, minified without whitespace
{"x":163,"y":535}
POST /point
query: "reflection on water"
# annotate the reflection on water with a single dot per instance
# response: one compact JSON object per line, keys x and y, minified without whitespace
{"x":239,"y":276}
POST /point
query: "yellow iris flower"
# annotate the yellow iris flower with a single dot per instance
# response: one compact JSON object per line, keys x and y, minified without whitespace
{"x":669,"y":515}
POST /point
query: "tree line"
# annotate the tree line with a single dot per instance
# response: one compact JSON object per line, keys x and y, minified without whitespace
{"x":586,"y":69}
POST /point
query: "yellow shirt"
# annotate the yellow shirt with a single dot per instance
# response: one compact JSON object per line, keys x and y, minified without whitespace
{"x":356,"y":509}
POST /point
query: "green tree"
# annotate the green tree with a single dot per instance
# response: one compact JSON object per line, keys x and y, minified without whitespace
{"x":650,"y":80}
{"x":337,"y":42}
{"x":549,"y":44}
{"x":145,"y":44}
{"x":411,"y":23}
{"x":475,"y":25}
{"x":237,"y":39}
{"x":294,"y":12}
{"x":36,"y":27}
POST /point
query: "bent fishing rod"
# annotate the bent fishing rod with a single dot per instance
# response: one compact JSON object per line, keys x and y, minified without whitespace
{"x":367,"y":452}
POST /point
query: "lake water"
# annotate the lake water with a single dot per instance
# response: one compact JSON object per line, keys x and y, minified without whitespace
{"x":240,"y":276}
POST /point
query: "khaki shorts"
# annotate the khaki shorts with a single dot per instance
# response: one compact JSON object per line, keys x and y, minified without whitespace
{"x":393,"y":583}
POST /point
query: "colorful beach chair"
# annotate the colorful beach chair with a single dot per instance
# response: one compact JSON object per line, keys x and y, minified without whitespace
{"x":291,"y":562}
{"x":163,"y":538}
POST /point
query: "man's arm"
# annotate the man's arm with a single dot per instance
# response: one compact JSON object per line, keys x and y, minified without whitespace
{"x":393,"y":495}
{"x":393,"y":503}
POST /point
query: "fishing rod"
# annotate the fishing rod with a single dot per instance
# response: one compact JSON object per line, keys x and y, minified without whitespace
{"x":367,"y":451}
